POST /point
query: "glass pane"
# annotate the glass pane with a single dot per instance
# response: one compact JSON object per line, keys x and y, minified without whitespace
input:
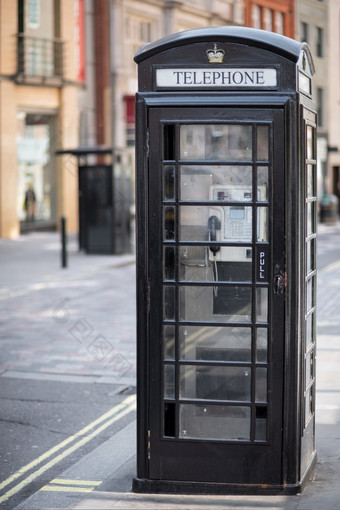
{"x":310,"y":181}
{"x":215,"y":343}
{"x":215,"y":383}
{"x":169,"y":222}
{"x":192,"y":142}
{"x":169,"y":263}
{"x":261,"y":424}
{"x":169,"y":302}
{"x":310,"y":143}
{"x":310,"y":249}
{"x":229,"y":193}
{"x":310,"y":329}
{"x":199,"y":263}
{"x":261,"y":344}
{"x":310,"y":294}
{"x":310,"y":218}
{"x":194,"y":264}
{"x":215,"y":303}
{"x":262,"y":143}
{"x":261,"y":305}
{"x":262,"y":224}
{"x":169,"y":381}
{"x":214,"y":422}
{"x":232,"y":271}
{"x":169,"y":183}
{"x":216,"y":142}
{"x":193,"y":256}
{"x":309,"y":367}
{"x":309,"y":404}
{"x":261,"y":385}
{"x":169,"y":342}
{"x":216,"y":183}
{"x":231,"y":223}
{"x":262,"y":183}
{"x":169,"y":141}
{"x":194,"y":223}
{"x":169,"y":419}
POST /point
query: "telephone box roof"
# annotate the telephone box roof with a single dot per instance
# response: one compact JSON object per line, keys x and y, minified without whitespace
{"x":276,"y":43}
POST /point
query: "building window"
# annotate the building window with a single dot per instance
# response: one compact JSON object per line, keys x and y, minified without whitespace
{"x":320,"y":106}
{"x":138,"y":32}
{"x":256,"y":16}
{"x":267,"y":19}
{"x":33,"y":13}
{"x":279,"y":22}
{"x":304,"y":32}
{"x":319,"y":42}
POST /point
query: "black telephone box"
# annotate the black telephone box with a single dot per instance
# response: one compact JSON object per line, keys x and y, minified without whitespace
{"x":226,"y":282}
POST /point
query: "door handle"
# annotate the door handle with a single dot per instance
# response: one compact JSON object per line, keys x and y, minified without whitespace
{"x":278,"y":284}
{"x":279,"y":281}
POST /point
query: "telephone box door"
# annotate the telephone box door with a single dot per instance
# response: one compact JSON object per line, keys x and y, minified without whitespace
{"x":216,"y":286}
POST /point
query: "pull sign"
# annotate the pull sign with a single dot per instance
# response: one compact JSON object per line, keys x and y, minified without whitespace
{"x":262,"y":264}
{"x":254,"y":77}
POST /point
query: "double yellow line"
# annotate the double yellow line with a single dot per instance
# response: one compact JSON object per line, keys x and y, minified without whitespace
{"x":67,"y":485}
{"x":82,"y":437}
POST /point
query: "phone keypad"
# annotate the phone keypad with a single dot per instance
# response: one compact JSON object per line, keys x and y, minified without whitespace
{"x":238,"y":229}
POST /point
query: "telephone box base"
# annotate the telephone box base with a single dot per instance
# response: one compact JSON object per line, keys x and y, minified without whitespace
{"x":146,"y":486}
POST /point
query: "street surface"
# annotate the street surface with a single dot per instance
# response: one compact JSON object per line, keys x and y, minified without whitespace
{"x":67,"y":383}
{"x":67,"y":358}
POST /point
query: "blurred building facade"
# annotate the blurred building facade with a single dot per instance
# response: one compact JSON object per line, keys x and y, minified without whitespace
{"x":39,"y":82}
{"x":273,"y":15}
{"x":116,"y":29}
{"x":332,"y":99}
{"x":68,"y":79}
{"x":313,"y":28}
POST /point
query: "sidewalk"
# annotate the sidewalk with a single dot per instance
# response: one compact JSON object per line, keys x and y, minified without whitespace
{"x":65,"y":321}
{"x":86,"y":279}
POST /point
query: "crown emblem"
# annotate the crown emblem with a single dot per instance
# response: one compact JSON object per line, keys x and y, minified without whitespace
{"x":215,"y":56}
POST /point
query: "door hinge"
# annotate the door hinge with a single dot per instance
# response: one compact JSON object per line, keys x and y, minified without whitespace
{"x":148,"y":448}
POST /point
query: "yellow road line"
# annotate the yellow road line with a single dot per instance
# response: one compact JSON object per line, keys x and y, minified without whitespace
{"x":60,"y":488}
{"x":70,"y":485}
{"x":64,"y":443}
{"x":128,"y":405}
{"x":66,"y":481}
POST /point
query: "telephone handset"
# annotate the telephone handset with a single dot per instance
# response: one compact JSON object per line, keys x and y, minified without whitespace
{"x":214,"y":224}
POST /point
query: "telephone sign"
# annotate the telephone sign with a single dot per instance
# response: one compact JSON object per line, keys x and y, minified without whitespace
{"x":226,"y":78}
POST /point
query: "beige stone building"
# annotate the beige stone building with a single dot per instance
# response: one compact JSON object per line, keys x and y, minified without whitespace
{"x":68,"y":78}
{"x":39,"y":82}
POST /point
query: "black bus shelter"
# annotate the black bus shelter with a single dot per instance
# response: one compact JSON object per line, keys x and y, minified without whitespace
{"x":104,"y":201}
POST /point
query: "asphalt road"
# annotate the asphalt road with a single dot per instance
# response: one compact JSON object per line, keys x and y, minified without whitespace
{"x":37,"y":415}
{"x":67,"y":359}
